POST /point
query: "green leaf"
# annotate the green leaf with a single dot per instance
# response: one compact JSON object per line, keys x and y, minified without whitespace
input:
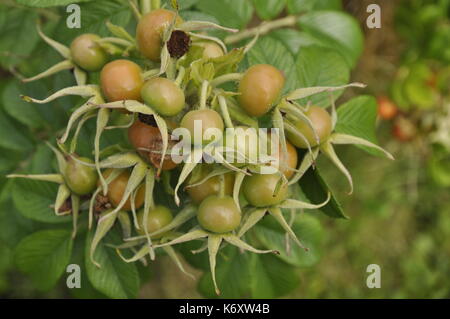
{"x":34,"y":198}
{"x":338,"y":30}
{"x":358,"y":117}
{"x":232,"y":274}
{"x":318,"y":66}
{"x":18,"y":35}
{"x":271,"y":51}
{"x":186,"y":4}
{"x":230,"y":13}
{"x":269,"y":9}
{"x":44,"y":256}
{"x":198,"y":16}
{"x":10,"y":136}
{"x":316,"y":190}
{"x":43,"y":160}
{"x":48,"y":3}
{"x":13,"y":226}
{"x":308,"y":230}
{"x":115,"y":278}
{"x":17,"y":108}
{"x":294,"y":39}
{"x":297,"y":6}
{"x":270,"y":277}
{"x":9,"y":160}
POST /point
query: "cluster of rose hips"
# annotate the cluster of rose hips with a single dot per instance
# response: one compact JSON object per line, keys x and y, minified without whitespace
{"x":170,"y":77}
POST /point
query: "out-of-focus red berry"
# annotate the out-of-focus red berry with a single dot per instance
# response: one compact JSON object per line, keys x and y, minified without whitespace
{"x":404,"y":130}
{"x":387,"y":109}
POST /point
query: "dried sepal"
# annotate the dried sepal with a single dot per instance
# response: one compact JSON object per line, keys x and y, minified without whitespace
{"x":217,"y":155}
{"x":297,"y":204}
{"x":61,"y":197}
{"x":287,"y":239}
{"x":297,"y":111}
{"x":334,"y":115}
{"x":165,"y":177}
{"x":165,"y":59}
{"x":135,"y":9}
{"x":162,"y":126}
{"x":328,"y":149}
{"x":114,"y":174}
{"x":124,"y":126}
{"x":143,"y":260}
{"x":141,"y":253}
{"x":137,"y":107}
{"x":75,"y":213}
{"x":193,"y":159}
{"x":103,"y":226}
{"x":215,"y":172}
{"x":182,"y":217}
{"x":238,"y":180}
{"x":234,"y":240}
{"x":344,"y":139}
{"x":92,"y":202}
{"x":278,"y":215}
{"x":148,"y":205}
{"x":214,"y":242}
{"x":251,"y":219}
{"x":128,"y":243}
{"x":229,"y":77}
{"x":83,"y":120}
{"x":119,"y":32}
{"x":278,"y":123}
{"x":137,"y":176}
{"x":102,"y":121}
{"x":133,"y":208}
{"x":306,"y":92}
{"x":125,"y":224}
{"x":147,"y":75}
{"x":60,"y":48}
{"x":122,"y":160}
{"x":86,"y":108}
{"x":209,"y":38}
{"x":173,"y":255}
{"x":238,"y":115}
{"x":201,"y":249}
{"x":308,"y":161}
{"x":61,"y":66}
{"x":224,"y":110}
{"x":194,"y":234}
{"x":295,"y":132}
{"x":83,"y":91}
{"x":52,"y":178}
{"x":80,"y":76}
{"x":282,"y":181}
{"x":200,"y":25}
{"x":60,"y":158}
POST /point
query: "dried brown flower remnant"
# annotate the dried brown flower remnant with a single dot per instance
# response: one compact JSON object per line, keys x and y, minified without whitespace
{"x":101,"y":204}
{"x":147,"y":119}
{"x":178,"y":44}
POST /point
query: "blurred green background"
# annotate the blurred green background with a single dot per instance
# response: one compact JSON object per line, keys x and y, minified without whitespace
{"x":399,"y":212}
